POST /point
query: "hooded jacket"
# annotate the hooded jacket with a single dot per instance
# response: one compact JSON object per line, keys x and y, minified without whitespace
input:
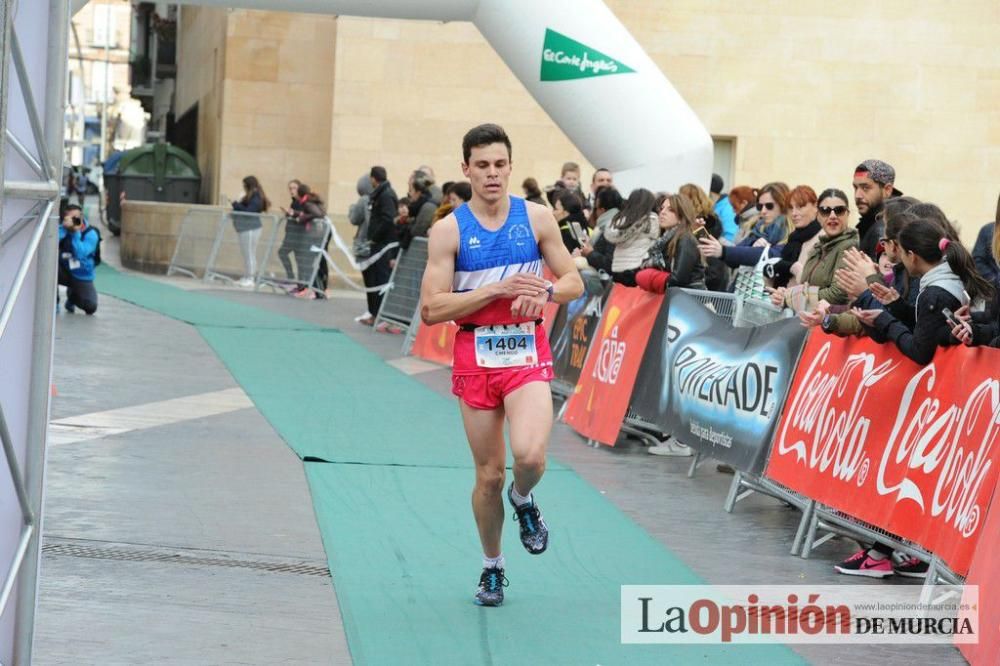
{"x":940,"y":288}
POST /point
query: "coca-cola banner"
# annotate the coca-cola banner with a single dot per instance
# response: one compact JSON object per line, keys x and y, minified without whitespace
{"x":716,"y":388}
{"x":909,"y":448}
{"x":598,"y":404}
{"x":573,"y":332}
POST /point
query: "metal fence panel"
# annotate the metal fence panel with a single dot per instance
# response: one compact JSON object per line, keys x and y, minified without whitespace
{"x":238,"y":255}
{"x":200,"y":231}
{"x":292,"y":261}
{"x":400,"y":303}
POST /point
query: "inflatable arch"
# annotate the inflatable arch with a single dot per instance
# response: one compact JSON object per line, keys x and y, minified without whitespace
{"x":581,"y":65}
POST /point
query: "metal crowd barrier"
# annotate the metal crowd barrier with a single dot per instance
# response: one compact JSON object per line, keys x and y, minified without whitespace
{"x":275,"y":255}
{"x":400,"y":302}
{"x":293,"y":262}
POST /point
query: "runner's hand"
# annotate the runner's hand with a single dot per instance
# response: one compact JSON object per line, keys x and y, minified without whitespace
{"x":521,"y":284}
{"x":529,"y":306}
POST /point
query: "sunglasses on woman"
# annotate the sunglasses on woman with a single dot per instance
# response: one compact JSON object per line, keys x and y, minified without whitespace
{"x":839,"y":211}
{"x":766,"y":206}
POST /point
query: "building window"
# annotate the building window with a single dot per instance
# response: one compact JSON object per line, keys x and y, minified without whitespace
{"x":101,"y":89}
{"x":105,"y":32}
{"x":724,"y":159}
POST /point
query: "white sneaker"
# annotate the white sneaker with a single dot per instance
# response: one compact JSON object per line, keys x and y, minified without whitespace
{"x":366,"y":315}
{"x":245,"y":282}
{"x":671,"y":447}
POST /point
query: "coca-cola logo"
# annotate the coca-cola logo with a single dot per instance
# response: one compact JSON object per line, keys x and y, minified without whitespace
{"x":610,"y":357}
{"x":937,"y":455}
{"x":949,"y":444}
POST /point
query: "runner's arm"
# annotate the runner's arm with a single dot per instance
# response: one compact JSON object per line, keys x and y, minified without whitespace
{"x":439,"y":303}
{"x":568,"y":285}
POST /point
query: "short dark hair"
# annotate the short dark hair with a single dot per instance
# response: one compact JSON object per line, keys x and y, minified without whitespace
{"x":462,"y":190}
{"x":379,"y":174}
{"x":594,"y":177}
{"x":70,"y":207}
{"x":484,"y":135}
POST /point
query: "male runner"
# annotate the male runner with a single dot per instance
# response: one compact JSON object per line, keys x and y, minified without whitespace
{"x":484,"y":270}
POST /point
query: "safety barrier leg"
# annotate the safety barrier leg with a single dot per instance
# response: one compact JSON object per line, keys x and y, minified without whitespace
{"x":208,"y":275}
{"x":562,"y":410}
{"x":695,"y":462}
{"x":810,"y":535}
{"x":800,"y":533}
{"x":734,"y":489}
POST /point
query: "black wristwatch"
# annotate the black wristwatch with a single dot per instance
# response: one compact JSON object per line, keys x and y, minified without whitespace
{"x":827,"y":323}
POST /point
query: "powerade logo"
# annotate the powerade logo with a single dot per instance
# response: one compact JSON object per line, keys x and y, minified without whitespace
{"x":564,"y":59}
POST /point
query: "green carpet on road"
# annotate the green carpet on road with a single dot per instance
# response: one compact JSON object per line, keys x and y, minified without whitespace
{"x":392,"y":502}
{"x":189,"y":306}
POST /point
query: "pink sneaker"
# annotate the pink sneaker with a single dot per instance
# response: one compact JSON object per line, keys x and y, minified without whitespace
{"x":863,"y":564}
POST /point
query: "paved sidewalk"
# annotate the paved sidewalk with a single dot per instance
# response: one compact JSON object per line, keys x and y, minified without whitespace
{"x":178,"y":537}
{"x":191,"y":542}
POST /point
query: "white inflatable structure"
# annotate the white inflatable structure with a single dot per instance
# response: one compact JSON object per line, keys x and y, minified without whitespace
{"x":581,"y":65}
{"x":33,"y":36}
{"x":573,"y":56}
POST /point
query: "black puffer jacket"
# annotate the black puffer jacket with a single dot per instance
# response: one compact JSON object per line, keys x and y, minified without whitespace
{"x":870,"y":230}
{"x":381,"y":223}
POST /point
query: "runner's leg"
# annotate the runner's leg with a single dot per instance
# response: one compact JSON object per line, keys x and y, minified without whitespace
{"x":529,"y":411}
{"x":484,"y":428}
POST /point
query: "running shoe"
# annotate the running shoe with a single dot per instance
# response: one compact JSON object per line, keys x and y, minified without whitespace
{"x":491,"y":584}
{"x":863,"y":564}
{"x":534,"y":533}
{"x":911,"y":567}
{"x":671,"y":447}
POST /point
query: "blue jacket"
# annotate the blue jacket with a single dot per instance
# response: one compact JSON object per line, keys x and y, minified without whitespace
{"x":727,"y":216}
{"x":81,"y":246}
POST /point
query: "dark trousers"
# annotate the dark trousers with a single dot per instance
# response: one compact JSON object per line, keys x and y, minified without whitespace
{"x":80,"y":293}
{"x":376,"y":275}
{"x":293,"y":242}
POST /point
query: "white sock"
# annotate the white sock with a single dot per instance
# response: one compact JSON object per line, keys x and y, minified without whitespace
{"x":493,"y":562}
{"x":876,"y":555}
{"x":518,"y":499}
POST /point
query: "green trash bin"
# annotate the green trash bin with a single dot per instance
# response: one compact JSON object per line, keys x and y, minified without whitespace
{"x":156,"y":172}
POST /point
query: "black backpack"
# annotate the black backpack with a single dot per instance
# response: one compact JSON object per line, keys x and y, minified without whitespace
{"x":97,"y":250}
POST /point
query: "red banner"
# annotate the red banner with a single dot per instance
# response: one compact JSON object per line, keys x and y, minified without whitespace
{"x":598,"y":404}
{"x":911,"y":449}
{"x":985,"y":572}
{"x":435,"y":343}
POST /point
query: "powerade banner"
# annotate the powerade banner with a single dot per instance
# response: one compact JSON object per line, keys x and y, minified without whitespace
{"x":573,"y":332}
{"x":716,"y":388}
{"x":598,"y":404}
{"x":912,"y":449}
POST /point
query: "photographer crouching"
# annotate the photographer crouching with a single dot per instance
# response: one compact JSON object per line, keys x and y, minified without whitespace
{"x":79,"y":254}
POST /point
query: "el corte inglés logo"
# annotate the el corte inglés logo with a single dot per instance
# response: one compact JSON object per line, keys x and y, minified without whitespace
{"x":564,"y":59}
